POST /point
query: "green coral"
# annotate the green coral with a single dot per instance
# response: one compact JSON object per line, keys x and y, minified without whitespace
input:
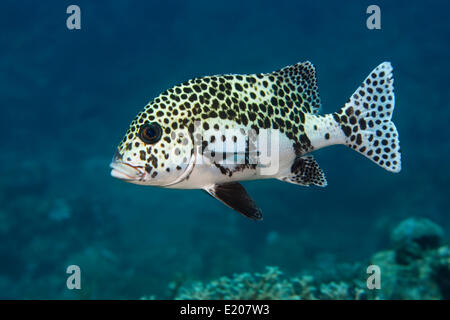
{"x":413,"y":237}
{"x":268,"y":285}
{"x":418,"y":267}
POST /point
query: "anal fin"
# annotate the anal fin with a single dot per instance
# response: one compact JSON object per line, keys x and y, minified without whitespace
{"x":236,"y":197}
{"x":305,"y":171}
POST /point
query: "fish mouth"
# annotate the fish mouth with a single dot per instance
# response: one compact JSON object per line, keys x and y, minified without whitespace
{"x":126,"y":172}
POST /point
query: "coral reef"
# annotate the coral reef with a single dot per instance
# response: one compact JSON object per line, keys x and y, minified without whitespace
{"x":413,"y":236}
{"x":268,"y":285}
{"x":418,"y":267}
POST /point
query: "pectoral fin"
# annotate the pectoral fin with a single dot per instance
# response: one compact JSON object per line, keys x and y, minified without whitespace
{"x":234,"y":196}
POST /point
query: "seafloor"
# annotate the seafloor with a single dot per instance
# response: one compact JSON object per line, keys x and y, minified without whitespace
{"x":67,"y":98}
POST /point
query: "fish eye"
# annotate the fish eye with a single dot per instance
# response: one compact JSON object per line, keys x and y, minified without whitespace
{"x":150,"y":133}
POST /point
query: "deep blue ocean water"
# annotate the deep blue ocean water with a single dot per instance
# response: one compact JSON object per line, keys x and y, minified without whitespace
{"x":68,"y":96}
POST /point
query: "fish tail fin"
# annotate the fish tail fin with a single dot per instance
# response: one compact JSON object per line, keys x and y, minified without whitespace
{"x":365,"y":120}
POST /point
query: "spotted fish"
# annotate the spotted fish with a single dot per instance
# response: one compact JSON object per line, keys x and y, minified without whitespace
{"x":212,"y":132}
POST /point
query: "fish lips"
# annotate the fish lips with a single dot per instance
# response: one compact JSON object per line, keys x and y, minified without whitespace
{"x":125,"y":171}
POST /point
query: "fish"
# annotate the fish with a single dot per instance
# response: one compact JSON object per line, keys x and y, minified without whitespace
{"x":211,"y":133}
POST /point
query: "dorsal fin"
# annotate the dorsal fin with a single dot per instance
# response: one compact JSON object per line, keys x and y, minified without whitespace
{"x":306,"y":171}
{"x":302,"y":77}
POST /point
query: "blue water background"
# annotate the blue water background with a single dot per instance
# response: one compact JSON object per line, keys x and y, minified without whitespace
{"x":67,"y":97}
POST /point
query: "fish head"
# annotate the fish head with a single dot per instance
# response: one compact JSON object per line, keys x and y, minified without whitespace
{"x":157,"y":149}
